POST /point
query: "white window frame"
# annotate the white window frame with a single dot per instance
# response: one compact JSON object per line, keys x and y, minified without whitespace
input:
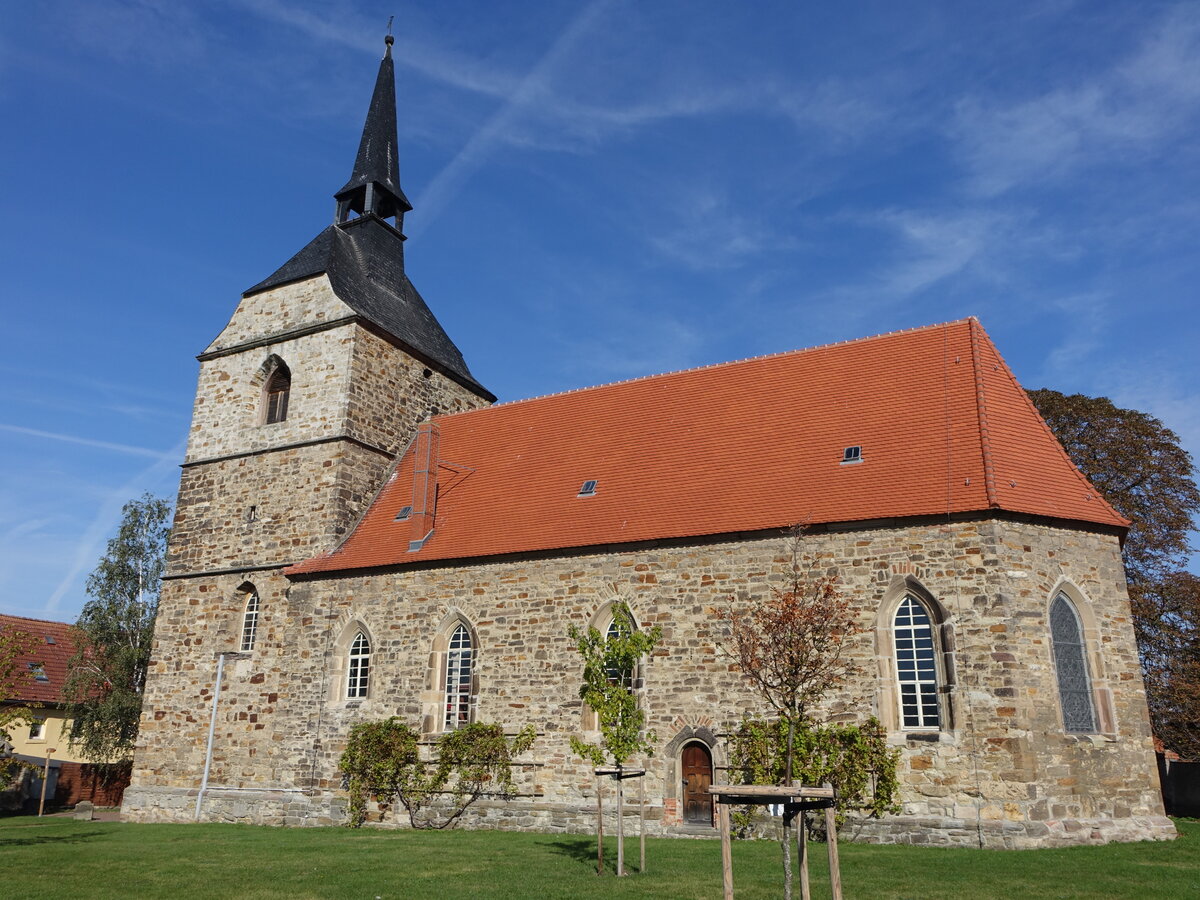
{"x":358,"y":667}
{"x":250,"y":621}
{"x":918,"y":687}
{"x":460,"y":672}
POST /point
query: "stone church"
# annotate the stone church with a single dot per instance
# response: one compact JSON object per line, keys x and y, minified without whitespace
{"x":361,"y":533}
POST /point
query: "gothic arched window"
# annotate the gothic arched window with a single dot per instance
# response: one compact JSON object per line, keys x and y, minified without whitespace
{"x":276,"y":392}
{"x":250,"y":619}
{"x":916,"y":666}
{"x":1070,"y":665}
{"x":358,"y":669}
{"x":460,"y":660}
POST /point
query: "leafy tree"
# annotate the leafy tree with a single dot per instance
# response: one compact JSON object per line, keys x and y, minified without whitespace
{"x":14,"y":646}
{"x":791,"y":644}
{"x":382,"y":760}
{"x":107,"y":674}
{"x":609,"y":664}
{"x":1136,"y":462}
{"x":1167,"y":619}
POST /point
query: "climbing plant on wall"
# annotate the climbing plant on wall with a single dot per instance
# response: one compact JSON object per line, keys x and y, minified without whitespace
{"x":384,"y":761}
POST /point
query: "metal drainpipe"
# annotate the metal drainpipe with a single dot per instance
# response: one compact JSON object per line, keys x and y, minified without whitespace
{"x":212,"y":727}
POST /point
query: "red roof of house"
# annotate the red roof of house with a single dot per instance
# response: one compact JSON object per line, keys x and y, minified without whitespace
{"x":942,"y":423}
{"x":53,"y":646}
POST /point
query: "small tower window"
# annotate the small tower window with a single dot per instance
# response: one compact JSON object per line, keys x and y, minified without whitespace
{"x":250,"y":621}
{"x":279,"y":386}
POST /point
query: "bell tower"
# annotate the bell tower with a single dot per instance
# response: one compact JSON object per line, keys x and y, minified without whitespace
{"x":320,"y":377}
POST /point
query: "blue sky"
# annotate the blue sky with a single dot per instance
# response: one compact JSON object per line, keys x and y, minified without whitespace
{"x":602,"y":190}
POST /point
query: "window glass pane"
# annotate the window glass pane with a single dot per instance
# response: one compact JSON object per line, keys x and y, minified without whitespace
{"x":459,"y":664}
{"x":250,"y":622}
{"x":916,"y":666}
{"x":359,"y":668}
{"x":1070,"y":664}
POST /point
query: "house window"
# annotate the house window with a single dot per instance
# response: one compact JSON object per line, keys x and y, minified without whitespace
{"x":250,"y":621}
{"x":459,"y":665}
{"x":1070,"y":665}
{"x":37,"y":729}
{"x":916,"y":666}
{"x":279,"y":386}
{"x":358,"y":668}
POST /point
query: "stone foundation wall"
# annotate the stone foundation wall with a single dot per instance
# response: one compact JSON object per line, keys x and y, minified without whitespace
{"x":1001,"y":766}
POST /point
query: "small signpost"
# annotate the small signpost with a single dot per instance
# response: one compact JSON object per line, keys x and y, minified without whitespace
{"x":795,"y":800}
{"x":619,"y":774}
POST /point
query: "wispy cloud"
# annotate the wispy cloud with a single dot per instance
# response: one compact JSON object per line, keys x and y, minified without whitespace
{"x":534,"y":87}
{"x":104,"y":522}
{"x":705,"y":231}
{"x":169,"y":457}
{"x":1129,"y":109}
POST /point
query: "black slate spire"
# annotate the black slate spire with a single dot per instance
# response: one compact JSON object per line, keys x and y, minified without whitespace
{"x":374,"y":186}
{"x":362,"y":254}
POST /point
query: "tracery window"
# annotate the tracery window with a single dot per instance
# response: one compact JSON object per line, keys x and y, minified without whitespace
{"x":1070,"y":665}
{"x":618,"y":674}
{"x":278,"y":388}
{"x":250,"y":621}
{"x":460,"y":658}
{"x":358,"y":669}
{"x":916,"y":666}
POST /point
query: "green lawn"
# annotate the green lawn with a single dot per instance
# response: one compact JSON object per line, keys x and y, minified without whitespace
{"x":62,"y":858}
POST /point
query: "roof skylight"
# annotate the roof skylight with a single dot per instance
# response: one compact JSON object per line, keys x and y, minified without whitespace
{"x":405,"y":512}
{"x":852,"y":455}
{"x":588,"y":489}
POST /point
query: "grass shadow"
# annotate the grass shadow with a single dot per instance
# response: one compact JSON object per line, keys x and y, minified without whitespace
{"x":582,"y":850}
{"x":46,"y":839}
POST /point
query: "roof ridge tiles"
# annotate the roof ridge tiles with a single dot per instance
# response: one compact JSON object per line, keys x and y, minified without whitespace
{"x":985,"y":445}
{"x":507,"y":404}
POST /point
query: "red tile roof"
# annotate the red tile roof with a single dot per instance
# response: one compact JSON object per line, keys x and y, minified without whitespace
{"x":52,"y":657}
{"x":943,"y":425}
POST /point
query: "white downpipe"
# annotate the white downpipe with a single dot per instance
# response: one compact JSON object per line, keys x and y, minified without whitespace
{"x":212,"y":727}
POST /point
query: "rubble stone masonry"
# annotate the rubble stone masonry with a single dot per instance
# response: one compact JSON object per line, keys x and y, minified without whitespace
{"x":1001,"y":772}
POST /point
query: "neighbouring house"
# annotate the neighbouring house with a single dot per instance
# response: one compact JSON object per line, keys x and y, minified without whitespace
{"x":360,"y":533}
{"x":44,"y":728}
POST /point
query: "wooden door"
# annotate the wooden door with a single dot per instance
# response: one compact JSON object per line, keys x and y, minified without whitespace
{"x":697,"y":779}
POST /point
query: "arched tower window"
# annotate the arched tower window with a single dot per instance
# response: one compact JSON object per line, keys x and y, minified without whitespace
{"x":358,"y":668}
{"x":916,"y":666}
{"x":460,"y":661}
{"x":1070,"y":665}
{"x":250,"y":619}
{"x":276,"y":392}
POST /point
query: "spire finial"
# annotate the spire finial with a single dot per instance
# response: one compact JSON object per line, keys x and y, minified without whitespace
{"x":388,"y":39}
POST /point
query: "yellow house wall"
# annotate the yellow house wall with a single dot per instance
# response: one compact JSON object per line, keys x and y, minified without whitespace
{"x":54,"y":735}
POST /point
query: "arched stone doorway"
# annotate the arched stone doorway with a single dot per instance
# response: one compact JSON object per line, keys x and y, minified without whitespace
{"x":696,"y":768}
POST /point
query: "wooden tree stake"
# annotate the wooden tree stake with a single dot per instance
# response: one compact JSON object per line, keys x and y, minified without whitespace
{"x":802,"y":852}
{"x":620,"y":826}
{"x":726,"y":850}
{"x":599,"y":825}
{"x":642,"y":821}
{"x":835,"y":874}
